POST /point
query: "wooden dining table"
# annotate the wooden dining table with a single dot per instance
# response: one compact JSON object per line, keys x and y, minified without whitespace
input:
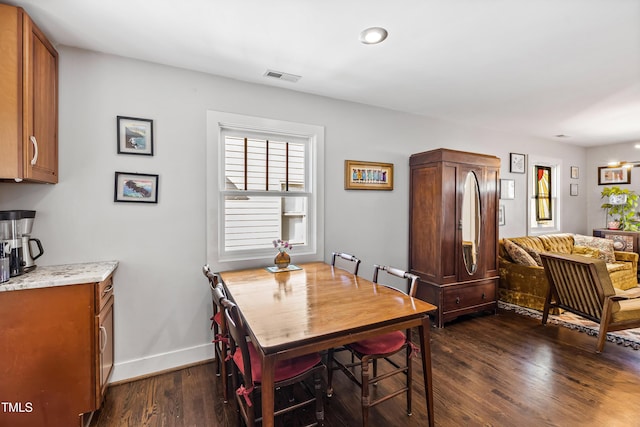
{"x":292,"y":313}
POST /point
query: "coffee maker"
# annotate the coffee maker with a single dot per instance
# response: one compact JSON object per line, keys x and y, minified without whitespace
{"x":15,"y":240}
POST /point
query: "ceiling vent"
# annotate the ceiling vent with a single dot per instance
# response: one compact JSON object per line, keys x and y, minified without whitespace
{"x":282,"y":76}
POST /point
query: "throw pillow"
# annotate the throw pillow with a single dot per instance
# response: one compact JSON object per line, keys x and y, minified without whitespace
{"x":605,"y":246}
{"x":533,"y":254}
{"x":517,"y":254}
{"x":586,"y":251}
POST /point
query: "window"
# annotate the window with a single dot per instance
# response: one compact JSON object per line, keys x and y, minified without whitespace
{"x":544,"y":208}
{"x":264,"y":194}
{"x":543,"y":193}
{"x":266,"y":188}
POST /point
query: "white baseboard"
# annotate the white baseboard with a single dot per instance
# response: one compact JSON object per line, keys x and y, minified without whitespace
{"x":160,"y":362}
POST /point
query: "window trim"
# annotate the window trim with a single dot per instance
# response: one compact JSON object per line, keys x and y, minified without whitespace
{"x":216,"y":120}
{"x":556,"y":168}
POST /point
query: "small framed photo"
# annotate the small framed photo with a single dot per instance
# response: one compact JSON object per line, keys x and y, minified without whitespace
{"x":136,"y":187}
{"x":573,"y":189}
{"x":617,"y":175}
{"x":360,"y":175}
{"x":575,"y":172}
{"x":518,"y":163}
{"x":507,"y":189}
{"x":501,"y":219}
{"x":135,"y":136}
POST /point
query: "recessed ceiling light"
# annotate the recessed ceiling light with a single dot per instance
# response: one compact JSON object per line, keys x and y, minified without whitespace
{"x":373,"y":35}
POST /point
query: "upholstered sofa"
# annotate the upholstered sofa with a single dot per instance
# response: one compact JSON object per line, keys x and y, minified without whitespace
{"x":523,"y":281}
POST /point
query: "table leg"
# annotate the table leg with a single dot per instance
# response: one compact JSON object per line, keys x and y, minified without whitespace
{"x":268,"y":370}
{"x":425,"y":347}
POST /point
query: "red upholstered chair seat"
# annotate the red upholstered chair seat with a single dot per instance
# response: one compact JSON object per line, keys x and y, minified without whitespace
{"x":218,"y":318}
{"x":285,"y":369}
{"x":382,"y":344}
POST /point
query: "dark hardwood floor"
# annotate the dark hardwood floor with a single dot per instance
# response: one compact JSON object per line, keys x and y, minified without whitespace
{"x":490,"y":370}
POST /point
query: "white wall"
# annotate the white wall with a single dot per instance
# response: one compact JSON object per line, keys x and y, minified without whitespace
{"x":601,"y":156}
{"x":162,"y":301}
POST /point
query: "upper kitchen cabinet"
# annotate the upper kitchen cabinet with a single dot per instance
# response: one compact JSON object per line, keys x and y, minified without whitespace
{"x":29,"y":102}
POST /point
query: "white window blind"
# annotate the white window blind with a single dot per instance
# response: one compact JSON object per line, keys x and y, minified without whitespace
{"x":265,"y":190}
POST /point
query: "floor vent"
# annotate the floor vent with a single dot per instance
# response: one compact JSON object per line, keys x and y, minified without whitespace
{"x":282,"y":76}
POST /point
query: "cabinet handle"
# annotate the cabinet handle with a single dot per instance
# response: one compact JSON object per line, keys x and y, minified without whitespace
{"x":107,"y":289}
{"x":483,"y":296}
{"x":35,"y":150}
{"x":103,"y":342}
{"x":457,"y":300}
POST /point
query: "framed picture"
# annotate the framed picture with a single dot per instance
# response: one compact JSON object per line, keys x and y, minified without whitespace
{"x":501,"y":219}
{"x":367,"y":175}
{"x":617,"y":175}
{"x":135,"y":136}
{"x":575,"y":172}
{"x":507,"y":189}
{"x":573,"y":189}
{"x":518,"y":163}
{"x":136,"y":187}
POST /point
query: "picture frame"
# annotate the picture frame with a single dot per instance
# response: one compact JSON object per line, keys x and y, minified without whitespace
{"x":361,"y":175}
{"x":133,"y":187}
{"x":613,"y":175}
{"x":507,"y":189}
{"x":501,"y":215}
{"x":573,"y":189}
{"x":575,"y":172}
{"x":517,"y":163}
{"x":135,"y":136}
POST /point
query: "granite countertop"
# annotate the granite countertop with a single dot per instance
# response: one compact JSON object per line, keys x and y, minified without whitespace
{"x":61,"y":275}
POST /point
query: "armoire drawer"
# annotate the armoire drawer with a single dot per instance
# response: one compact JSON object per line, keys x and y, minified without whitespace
{"x":469,"y":295}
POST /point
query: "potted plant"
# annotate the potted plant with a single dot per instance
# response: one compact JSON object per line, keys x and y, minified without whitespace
{"x":621,"y":204}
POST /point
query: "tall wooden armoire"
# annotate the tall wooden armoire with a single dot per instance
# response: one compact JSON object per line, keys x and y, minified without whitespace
{"x":453,"y":231}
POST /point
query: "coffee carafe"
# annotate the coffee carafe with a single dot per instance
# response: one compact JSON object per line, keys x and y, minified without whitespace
{"x":15,"y":240}
{"x":27,"y":252}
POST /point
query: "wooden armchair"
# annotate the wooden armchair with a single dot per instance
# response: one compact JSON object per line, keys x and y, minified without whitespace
{"x":353,"y":261}
{"x":582,"y":286}
{"x":369,"y":351}
{"x":247,"y":368}
{"x":218,"y":325}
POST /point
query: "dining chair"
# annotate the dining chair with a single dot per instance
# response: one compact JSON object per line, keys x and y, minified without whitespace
{"x":381,"y":347}
{"x":582,"y":286}
{"x":350,"y":260}
{"x":220,"y":333}
{"x":247,"y":377}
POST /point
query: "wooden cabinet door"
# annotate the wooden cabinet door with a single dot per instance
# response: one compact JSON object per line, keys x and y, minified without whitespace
{"x":40,"y":106}
{"x":476,"y":222}
{"x":105,"y":350}
{"x":46,"y":337}
{"x":10,"y":92}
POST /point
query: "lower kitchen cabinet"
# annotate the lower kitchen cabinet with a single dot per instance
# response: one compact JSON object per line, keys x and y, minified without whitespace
{"x":56,"y":353}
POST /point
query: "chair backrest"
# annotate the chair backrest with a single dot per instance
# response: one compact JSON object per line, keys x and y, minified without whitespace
{"x":413,"y":284}
{"x":218,"y":296}
{"x":238,"y":340}
{"x":578,"y":283}
{"x":213,"y":279}
{"x":355,"y":262}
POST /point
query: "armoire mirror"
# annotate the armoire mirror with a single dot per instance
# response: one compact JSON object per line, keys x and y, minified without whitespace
{"x":470,"y":222}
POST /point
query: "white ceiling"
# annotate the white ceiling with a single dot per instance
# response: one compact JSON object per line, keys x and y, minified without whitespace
{"x":535,"y":67}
